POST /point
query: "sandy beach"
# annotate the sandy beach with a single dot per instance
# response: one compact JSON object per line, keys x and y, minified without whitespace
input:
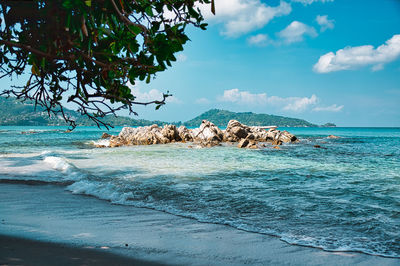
{"x":96,"y":232}
{"x":19,"y":251}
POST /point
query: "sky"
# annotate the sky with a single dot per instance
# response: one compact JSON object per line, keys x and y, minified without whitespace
{"x":320,"y":60}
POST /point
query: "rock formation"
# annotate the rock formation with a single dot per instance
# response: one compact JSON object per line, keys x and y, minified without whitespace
{"x":333,"y":137}
{"x":207,"y":135}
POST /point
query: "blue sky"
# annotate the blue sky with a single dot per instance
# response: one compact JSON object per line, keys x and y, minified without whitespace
{"x":320,"y":60}
{"x":323,"y":61}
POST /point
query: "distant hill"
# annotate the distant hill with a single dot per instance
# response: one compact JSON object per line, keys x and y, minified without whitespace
{"x":222,"y":117}
{"x":16,"y":113}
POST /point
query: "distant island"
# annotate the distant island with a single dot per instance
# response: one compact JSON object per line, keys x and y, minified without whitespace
{"x":17,"y":113}
{"x":222,"y":117}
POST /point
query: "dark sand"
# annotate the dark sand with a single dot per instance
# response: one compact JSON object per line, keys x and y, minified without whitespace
{"x":85,"y":226}
{"x":18,"y":251}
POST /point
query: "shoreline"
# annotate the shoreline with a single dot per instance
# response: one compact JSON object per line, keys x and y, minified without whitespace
{"x":57,"y":218}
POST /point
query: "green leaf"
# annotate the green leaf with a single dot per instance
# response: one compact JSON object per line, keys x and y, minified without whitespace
{"x":149,"y":11}
{"x":88,"y":3}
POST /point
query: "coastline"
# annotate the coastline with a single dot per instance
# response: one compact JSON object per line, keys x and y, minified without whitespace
{"x":58,"y":218}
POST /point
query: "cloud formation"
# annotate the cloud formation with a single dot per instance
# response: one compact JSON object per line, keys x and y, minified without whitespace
{"x":258,"y":40}
{"x":294,"y":104}
{"x":150,"y":95}
{"x":324,"y":22}
{"x":296,"y":31}
{"x":243,"y":97}
{"x":181,"y":57}
{"x":356,"y":57}
{"x":243,"y":16}
{"x":298,"y":104}
{"x":309,"y":2}
{"x":332,"y":108}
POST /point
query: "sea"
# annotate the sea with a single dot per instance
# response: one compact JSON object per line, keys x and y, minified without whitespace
{"x":344,"y":196}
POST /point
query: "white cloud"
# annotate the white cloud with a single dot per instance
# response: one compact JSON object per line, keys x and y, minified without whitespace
{"x":296,"y":31}
{"x":295,"y":104}
{"x":258,"y":40}
{"x":243,"y":16}
{"x":324,"y":22}
{"x":181,"y":58}
{"x":151,"y":95}
{"x":377,"y":67}
{"x":331,"y":108}
{"x":203,"y":101}
{"x":243,"y":97}
{"x":308,"y":2}
{"x":300,"y":104}
{"x":359,"y":56}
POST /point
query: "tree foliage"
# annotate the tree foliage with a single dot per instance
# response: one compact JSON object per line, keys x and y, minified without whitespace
{"x":86,"y":51}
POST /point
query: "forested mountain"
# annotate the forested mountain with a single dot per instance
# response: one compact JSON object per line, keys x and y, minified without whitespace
{"x":17,"y":113}
{"x":222,"y":117}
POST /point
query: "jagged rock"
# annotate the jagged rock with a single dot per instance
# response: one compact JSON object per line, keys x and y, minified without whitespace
{"x":207,"y":132}
{"x":277,"y":147}
{"x":277,"y":142}
{"x":243,"y":143}
{"x":209,"y":144}
{"x":105,"y":136}
{"x":251,"y":136}
{"x":319,"y":147}
{"x":147,"y":135}
{"x":115,"y":141}
{"x":185,"y":134}
{"x":247,"y":143}
{"x":287,"y":137}
{"x":207,"y":135}
{"x":235,"y":131}
{"x":170,"y":132}
{"x":333,"y":137}
{"x":252,"y":145}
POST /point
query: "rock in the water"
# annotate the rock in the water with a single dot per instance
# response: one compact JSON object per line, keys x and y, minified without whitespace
{"x":185,"y":134}
{"x":147,"y":135}
{"x":235,"y":131}
{"x":171,"y":133}
{"x":333,"y":137}
{"x":105,"y":136}
{"x":320,"y":147}
{"x":207,"y":135}
{"x":207,"y":132}
{"x":286,"y":137}
{"x":209,"y":144}
{"x":252,"y":145}
{"x":277,"y":142}
{"x":243,"y":143}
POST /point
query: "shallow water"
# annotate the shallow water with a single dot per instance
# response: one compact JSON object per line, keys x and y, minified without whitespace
{"x":345,"y":197}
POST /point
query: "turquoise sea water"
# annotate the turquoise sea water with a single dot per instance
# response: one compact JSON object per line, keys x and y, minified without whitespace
{"x":344,"y":197}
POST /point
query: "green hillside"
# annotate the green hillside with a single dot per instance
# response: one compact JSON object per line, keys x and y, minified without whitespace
{"x":222,"y":117}
{"x":17,"y":113}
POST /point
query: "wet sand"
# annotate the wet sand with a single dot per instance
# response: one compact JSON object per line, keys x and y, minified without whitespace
{"x":95,"y":232}
{"x":19,"y":251}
